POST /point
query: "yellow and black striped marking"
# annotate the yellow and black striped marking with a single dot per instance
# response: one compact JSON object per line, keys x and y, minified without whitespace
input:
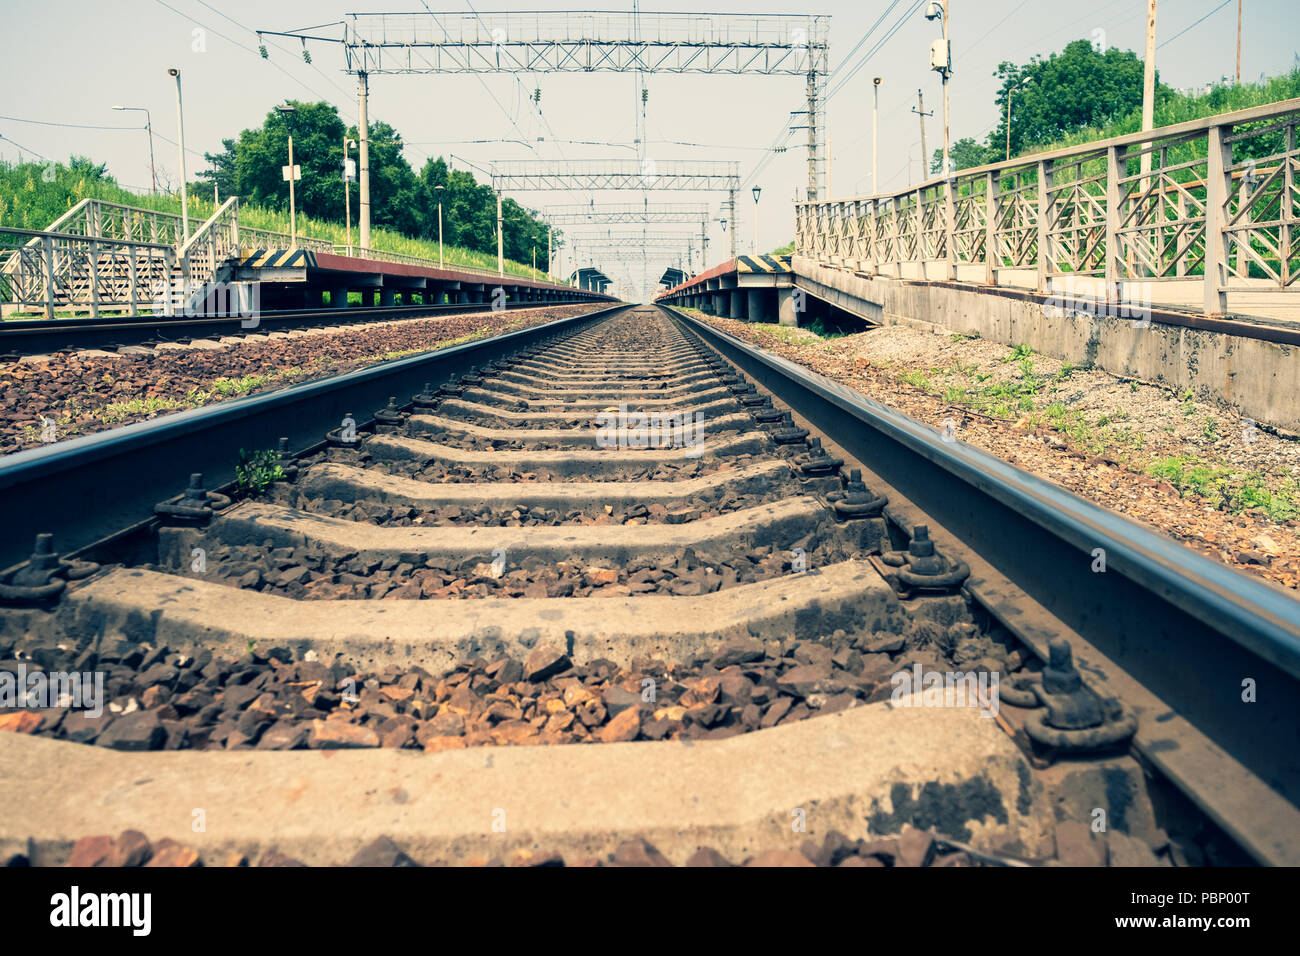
{"x":276,"y":258}
{"x":770,"y":264}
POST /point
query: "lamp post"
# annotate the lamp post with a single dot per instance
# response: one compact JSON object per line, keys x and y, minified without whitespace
{"x":290,"y":173}
{"x":148,"y":125}
{"x":347,"y":194}
{"x":757,"y":191}
{"x":875,"y":135}
{"x":180,"y":130}
{"x":501,"y":255}
{"x":1009,"y":92}
{"x":439,"y":189}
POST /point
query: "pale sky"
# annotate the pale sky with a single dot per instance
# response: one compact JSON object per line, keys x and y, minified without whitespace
{"x":70,"y":61}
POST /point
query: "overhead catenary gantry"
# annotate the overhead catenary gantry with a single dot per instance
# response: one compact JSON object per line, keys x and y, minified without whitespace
{"x":592,"y":175}
{"x":578,"y":213}
{"x":530,"y":41}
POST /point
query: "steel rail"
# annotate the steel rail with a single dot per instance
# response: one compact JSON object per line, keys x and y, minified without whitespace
{"x":39,"y":336}
{"x":1189,"y":630}
{"x":88,"y":488}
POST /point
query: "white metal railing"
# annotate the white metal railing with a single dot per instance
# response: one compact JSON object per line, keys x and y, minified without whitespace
{"x":111,"y":257}
{"x":110,"y":220}
{"x":384,"y":255}
{"x":56,"y":271}
{"x":1202,"y":210}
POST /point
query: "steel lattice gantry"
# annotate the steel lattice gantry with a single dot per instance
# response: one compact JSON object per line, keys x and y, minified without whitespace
{"x":527,"y":41}
{"x":597,"y":174}
{"x":612,"y":174}
{"x":580,"y":213}
{"x":585,"y":41}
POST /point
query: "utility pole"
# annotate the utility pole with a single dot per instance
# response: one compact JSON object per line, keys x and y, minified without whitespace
{"x":363,"y":129}
{"x":441,"y":262}
{"x":290,"y":172}
{"x":941,"y":62}
{"x":947,"y":115}
{"x":812,"y":142}
{"x":875,"y":137}
{"x":919,"y":110}
{"x":1149,"y":84}
{"x":148,"y":124}
{"x":704,"y":245}
{"x":548,"y":251}
{"x":347,"y":192}
{"x":731,"y":214}
{"x":1239,"y":42}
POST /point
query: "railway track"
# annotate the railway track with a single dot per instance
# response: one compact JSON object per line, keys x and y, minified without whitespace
{"x":639,"y":593}
{"x":21,"y":337}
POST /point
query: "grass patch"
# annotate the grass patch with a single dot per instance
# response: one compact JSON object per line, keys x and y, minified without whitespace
{"x":257,"y":470}
{"x":137,"y":407}
{"x":233,"y":387}
{"x":1225,"y":489}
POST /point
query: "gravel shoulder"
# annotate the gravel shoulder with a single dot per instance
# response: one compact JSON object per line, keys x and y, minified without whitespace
{"x":1192,"y":469}
{"x":62,"y":396}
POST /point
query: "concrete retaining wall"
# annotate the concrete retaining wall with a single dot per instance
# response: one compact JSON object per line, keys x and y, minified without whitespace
{"x":1259,"y":379}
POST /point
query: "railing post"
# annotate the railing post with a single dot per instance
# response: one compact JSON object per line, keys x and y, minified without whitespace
{"x":135,"y":278}
{"x":872,"y":247}
{"x":1218,"y":159}
{"x":1180,"y":267}
{"x":94,"y":279}
{"x":1044,"y":221}
{"x":1112,"y":270}
{"x":950,"y":226}
{"x":47,"y":258}
{"x":919,"y":244}
{"x":991,"y":185}
{"x":1288,"y":211}
{"x":896,"y":234}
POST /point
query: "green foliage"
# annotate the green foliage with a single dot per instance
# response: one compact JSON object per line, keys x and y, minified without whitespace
{"x":918,"y":379}
{"x":1226,"y":489}
{"x":257,"y":470}
{"x":401,"y":200}
{"x":1080,"y":95}
{"x":965,"y":154}
{"x":1078,"y":87}
{"x":404,"y":206}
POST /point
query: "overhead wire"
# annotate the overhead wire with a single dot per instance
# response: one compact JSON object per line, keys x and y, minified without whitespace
{"x":1194,"y":23}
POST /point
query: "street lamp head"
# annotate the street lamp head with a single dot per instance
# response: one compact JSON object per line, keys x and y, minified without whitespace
{"x":934,"y":11}
{"x":287,"y":108}
{"x":878,"y":80}
{"x":172,"y":71}
{"x":439,"y":188}
{"x":757,"y":190}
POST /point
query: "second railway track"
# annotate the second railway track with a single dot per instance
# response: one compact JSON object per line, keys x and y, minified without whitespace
{"x":719,"y":612}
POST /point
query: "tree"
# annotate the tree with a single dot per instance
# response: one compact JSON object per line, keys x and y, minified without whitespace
{"x":392,"y":182}
{"x":261,"y":154}
{"x":965,"y":154}
{"x":222,"y":172}
{"x":1078,"y":87}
